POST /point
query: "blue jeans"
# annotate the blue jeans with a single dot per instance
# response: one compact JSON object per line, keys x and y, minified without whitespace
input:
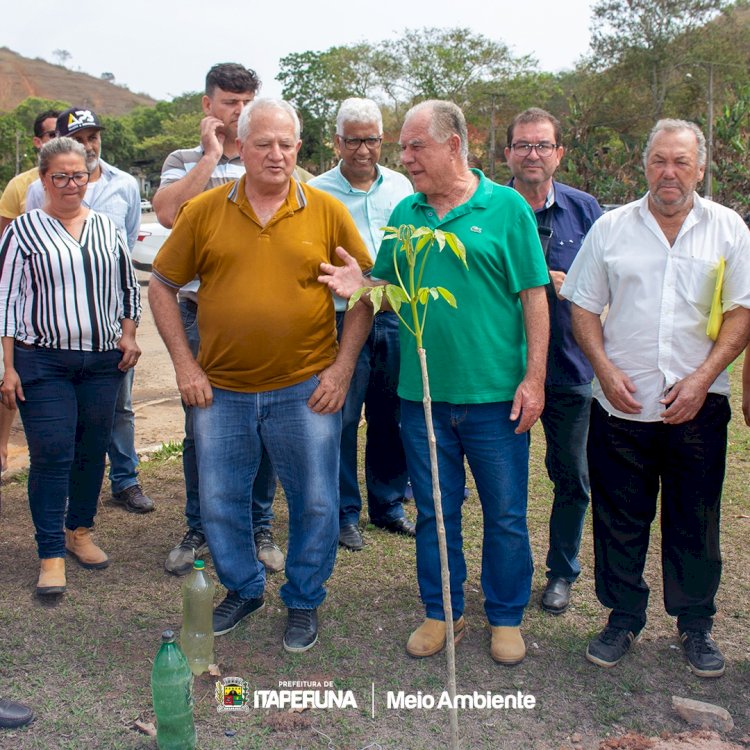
{"x":123,"y":460}
{"x":264,"y":486}
{"x":304,"y":448}
{"x":566,"y":427}
{"x":67,"y":417}
{"x":499,"y":461}
{"x":374,"y":384}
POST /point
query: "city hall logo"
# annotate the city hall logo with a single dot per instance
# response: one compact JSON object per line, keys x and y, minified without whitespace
{"x":232,"y":694}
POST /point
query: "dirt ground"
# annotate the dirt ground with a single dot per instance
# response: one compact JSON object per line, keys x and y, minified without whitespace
{"x":158,"y":412}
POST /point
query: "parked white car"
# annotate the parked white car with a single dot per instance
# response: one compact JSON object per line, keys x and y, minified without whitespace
{"x":150,"y":238}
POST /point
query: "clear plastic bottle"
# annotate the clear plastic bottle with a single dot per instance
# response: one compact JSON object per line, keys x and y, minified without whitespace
{"x":172,"y":693}
{"x":197,"y":634}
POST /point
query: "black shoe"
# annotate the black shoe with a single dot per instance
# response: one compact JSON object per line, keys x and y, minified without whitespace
{"x":610,"y":646}
{"x":556,"y":596}
{"x":133,"y":499}
{"x":180,"y":560}
{"x":301,"y":630}
{"x":702,"y":653}
{"x":14,"y":714}
{"x":228,"y":614}
{"x":399,"y":526}
{"x":351,"y":537}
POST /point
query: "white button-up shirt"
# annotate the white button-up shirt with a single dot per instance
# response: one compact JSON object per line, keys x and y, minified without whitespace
{"x":659,"y":296}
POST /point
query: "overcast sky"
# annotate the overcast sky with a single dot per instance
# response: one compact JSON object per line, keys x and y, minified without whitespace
{"x":164,"y":48}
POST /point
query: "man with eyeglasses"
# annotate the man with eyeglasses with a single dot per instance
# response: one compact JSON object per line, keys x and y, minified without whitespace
{"x":370,"y":192}
{"x":564,"y":215}
{"x":115,"y":194}
{"x":12,"y":205}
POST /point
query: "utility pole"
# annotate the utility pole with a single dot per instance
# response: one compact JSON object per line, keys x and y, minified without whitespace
{"x":18,"y":151}
{"x":708,"y":177}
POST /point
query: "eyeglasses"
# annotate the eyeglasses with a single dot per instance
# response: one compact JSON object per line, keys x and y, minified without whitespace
{"x":543,"y":149}
{"x":62,"y":180}
{"x":352,"y":144}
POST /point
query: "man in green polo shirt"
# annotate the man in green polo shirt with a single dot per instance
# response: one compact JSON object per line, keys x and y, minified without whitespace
{"x":487,"y":363}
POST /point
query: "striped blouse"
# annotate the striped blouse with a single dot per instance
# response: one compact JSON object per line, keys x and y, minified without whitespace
{"x":61,"y":293}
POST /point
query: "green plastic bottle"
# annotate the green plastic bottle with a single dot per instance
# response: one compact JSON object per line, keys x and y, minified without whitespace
{"x":197,"y":634}
{"x":172,"y":693}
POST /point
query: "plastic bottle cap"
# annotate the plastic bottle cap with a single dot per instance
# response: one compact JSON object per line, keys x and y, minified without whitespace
{"x":167,"y":636}
{"x":199,"y":565}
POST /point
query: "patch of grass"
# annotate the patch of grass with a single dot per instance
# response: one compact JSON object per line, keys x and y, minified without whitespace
{"x":169,"y":450}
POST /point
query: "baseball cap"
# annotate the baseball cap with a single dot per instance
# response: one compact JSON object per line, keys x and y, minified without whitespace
{"x":77,"y":118}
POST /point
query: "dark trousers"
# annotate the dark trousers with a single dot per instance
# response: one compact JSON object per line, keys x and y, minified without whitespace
{"x":67,"y":416}
{"x":628,"y":461}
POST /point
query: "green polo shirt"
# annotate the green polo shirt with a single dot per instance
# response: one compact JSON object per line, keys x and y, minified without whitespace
{"x":476,"y":353}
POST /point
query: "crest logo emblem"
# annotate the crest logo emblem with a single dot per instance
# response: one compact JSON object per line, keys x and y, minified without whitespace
{"x":232,"y":694}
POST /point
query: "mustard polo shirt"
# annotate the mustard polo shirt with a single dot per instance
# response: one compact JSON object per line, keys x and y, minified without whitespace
{"x":265,"y":321}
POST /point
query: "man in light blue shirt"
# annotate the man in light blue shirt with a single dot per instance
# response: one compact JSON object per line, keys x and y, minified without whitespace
{"x":115,"y":194}
{"x":370,"y":192}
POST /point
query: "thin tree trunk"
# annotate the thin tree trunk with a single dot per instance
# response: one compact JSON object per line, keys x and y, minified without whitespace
{"x":450,"y":648}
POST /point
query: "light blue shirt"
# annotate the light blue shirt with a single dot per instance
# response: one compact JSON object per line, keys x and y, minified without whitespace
{"x":371,"y":209}
{"x":114,"y":194}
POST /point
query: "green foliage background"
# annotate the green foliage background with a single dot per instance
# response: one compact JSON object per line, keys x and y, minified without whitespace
{"x":648,"y":59}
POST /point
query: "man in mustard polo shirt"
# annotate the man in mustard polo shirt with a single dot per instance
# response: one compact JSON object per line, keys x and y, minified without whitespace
{"x":269,"y":371}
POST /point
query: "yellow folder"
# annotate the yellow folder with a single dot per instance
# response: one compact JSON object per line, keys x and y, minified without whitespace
{"x":716,"y":315}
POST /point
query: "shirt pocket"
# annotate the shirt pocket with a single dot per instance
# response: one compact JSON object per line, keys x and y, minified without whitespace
{"x":699,"y":280}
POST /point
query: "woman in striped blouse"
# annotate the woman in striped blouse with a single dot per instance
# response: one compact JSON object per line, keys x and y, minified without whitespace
{"x":69,"y":306}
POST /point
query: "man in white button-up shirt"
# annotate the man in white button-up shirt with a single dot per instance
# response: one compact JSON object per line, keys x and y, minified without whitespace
{"x":661,"y":409}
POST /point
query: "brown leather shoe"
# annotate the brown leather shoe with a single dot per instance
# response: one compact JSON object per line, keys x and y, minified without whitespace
{"x":80,"y":544}
{"x":507,"y":645}
{"x":429,"y":638}
{"x":51,"y":576}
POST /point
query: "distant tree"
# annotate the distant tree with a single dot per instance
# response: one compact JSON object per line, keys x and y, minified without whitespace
{"x":61,"y":55}
{"x":108,"y":77}
{"x":640,"y":35}
{"x":433,"y":63}
{"x":310,"y":82}
{"x":118,"y":142}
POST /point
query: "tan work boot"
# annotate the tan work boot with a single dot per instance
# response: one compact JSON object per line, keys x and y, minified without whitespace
{"x":51,"y":576}
{"x":80,"y":544}
{"x":429,"y":638}
{"x":507,"y":645}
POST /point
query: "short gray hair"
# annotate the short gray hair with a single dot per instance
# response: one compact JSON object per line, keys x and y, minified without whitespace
{"x":446,"y":119}
{"x":243,"y":124}
{"x":670,"y":125}
{"x":58,"y":147}
{"x":363,"y":111}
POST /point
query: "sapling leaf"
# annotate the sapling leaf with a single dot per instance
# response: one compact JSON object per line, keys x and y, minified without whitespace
{"x":355,"y":297}
{"x":376,"y":297}
{"x":396,"y":296}
{"x":455,"y":244}
{"x":447,"y":296}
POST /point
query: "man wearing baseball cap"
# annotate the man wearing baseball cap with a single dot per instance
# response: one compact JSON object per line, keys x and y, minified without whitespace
{"x":114,"y":193}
